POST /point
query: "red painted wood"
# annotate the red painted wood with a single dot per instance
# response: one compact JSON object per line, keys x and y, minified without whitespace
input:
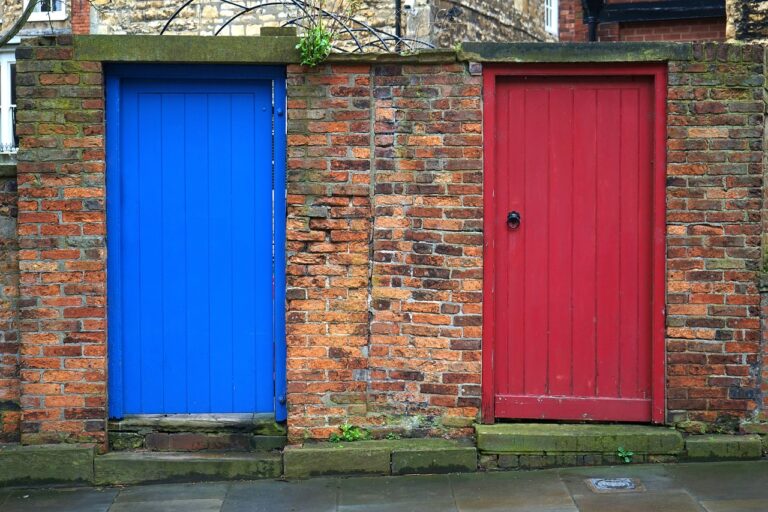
{"x":658,"y":316}
{"x":571,"y":297}
{"x":573,"y":408}
{"x":490,"y":215}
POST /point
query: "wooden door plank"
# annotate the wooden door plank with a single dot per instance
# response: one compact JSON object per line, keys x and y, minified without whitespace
{"x":608,"y":236}
{"x":535,"y":220}
{"x":584,"y":241}
{"x":560,"y":232}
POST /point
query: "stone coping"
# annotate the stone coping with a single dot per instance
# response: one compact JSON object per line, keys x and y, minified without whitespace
{"x":281,"y":49}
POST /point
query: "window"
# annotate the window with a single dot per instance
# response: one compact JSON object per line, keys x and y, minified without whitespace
{"x":551,"y":14}
{"x":49,"y":10}
{"x":8,"y":141}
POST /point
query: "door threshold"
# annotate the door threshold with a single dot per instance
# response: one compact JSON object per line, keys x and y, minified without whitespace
{"x":213,"y":422}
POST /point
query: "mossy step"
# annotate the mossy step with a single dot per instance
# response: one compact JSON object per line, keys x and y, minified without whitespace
{"x":59,"y":463}
{"x":548,"y":439}
{"x":145,"y":467}
{"x":724,"y":447}
{"x":383,"y":457}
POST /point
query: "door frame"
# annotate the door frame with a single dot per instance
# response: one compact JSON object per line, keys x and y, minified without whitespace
{"x":114,"y":74}
{"x":658,"y":74}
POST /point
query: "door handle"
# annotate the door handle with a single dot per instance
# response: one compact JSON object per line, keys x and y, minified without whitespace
{"x":513,"y":220}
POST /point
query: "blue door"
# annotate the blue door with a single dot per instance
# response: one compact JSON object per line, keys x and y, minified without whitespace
{"x":196,"y":213}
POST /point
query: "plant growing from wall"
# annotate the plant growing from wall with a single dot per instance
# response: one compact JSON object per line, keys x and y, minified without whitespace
{"x":350,"y":433}
{"x":323,"y":26}
{"x":625,"y":455}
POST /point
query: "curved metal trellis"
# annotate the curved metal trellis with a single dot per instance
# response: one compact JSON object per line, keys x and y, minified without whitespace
{"x":354,"y":35}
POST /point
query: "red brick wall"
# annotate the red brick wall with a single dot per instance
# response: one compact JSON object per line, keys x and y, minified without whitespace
{"x":384,"y":245}
{"x":81,"y":16}
{"x":9,"y":337}
{"x":328,"y":235}
{"x":62,"y":246}
{"x":377,"y":333}
{"x":714,"y":204}
{"x":573,"y":28}
{"x":682,"y":30}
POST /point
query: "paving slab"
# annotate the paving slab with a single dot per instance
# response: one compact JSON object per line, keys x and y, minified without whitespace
{"x":723,"y":480}
{"x":319,"y":495}
{"x":668,"y":501}
{"x":59,"y":500}
{"x":654,"y":477}
{"x":736,"y":505}
{"x":209,"y":505}
{"x":540,"y":491}
{"x":166,"y":492}
{"x":396,"y":493}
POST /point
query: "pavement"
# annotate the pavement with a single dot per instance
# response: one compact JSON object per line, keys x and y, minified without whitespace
{"x":698,"y":487}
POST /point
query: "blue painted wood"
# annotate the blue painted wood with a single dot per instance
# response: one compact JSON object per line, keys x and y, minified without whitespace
{"x":280,"y":115}
{"x":194,"y":323}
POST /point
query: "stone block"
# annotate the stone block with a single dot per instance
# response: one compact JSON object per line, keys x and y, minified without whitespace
{"x":144,"y":467}
{"x":24,"y":465}
{"x":542,"y":439}
{"x":724,"y":447}
{"x":342,"y":459}
{"x":436,"y":460}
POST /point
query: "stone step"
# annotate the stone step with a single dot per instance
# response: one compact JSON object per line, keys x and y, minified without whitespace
{"x":46,"y":464}
{"x":145,"y":467}
{"x":561,"y":439}
{"x":723,"y":447}
{"x":381,"y":457}
{"x":197,"y":432}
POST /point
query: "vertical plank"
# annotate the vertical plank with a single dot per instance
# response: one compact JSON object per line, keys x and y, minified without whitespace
{"x":221,"y":271}
{"x":197,"y":182}
{"x":264,"y":199}
{"x":584,"y":240}
{"x":609,"y":231}
{"x":560,"y":232}
{"x":150,"y":232}
{"x":505,"y":370}
{"x":279,"y":216}
{"x":629,"y":245}
{"x":248,"y":320}
{"x":172,"y":254}
{"x":535,"y":219}
{"x":645,"y":216}
{"x":129,"y":271}
{"x":512,"y":261}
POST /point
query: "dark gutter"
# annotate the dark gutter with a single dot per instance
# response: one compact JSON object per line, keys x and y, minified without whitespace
{"x":662,"y":11}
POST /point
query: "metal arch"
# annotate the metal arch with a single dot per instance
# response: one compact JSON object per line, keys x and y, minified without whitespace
{"x":362,"y":35}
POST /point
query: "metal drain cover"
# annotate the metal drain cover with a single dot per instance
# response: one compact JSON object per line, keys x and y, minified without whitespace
{"x":608,"y":485}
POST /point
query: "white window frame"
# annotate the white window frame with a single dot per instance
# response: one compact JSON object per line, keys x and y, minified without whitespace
{"x":58,"y":15}
{"x":551,"y":15}
{"x":7,"y":143}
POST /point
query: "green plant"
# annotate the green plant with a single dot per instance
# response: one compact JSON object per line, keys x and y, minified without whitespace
{"x":350,"y":433}
{"x":315,"y":45}
{"x":624,"y":454}
{"x":392,"y":436}
{"x":323,"y":27}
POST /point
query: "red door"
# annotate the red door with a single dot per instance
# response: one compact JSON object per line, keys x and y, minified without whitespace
{"x":571,"y":236}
